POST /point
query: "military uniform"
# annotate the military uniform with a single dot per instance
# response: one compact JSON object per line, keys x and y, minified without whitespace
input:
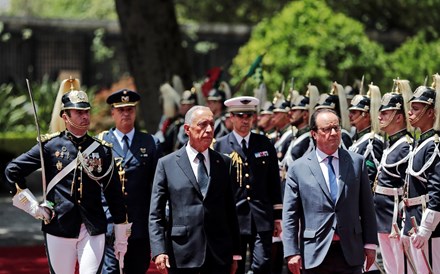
{"x":423,"y":190}
{"x":370,"y":145}
{"x":136,"y":169}
{"x":256,"y":185}
{"x":77,"y":171}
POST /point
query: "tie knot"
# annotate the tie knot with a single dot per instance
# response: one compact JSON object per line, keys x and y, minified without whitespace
{"x":201,"y":157}
{"x":125,"y":138}
{"x":330,"y":159}
{"x":243,"y":143}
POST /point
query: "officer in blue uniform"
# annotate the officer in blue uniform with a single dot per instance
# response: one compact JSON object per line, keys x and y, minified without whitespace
{"x":254,"y":170}
{"x":422,"y":199}
{"x":390,"y":181}
{"x":367,"y":142}
{"x":136,"y":154}
{"x":78,"y":168}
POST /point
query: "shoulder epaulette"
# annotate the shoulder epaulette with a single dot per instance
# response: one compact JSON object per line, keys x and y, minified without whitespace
{"x":48,"y":136}
{"x":103,"y":142}
{"x":101,"y":135}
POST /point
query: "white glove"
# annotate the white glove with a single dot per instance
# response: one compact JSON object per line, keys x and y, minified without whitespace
{"x":430,"y":219}
{"x":26,"y":201}
{"x":122,"y":232}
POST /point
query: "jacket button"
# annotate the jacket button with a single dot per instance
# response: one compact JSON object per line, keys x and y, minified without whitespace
{"x":248,"y":186}
{"x":246,"y":175}
{"x":248,"y":198}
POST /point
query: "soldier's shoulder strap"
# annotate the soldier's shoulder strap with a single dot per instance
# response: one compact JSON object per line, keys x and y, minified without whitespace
{"x":100,"y":139}
{"x":46,"y":137}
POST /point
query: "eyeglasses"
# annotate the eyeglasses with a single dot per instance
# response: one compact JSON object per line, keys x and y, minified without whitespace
{"x":328,"y":130}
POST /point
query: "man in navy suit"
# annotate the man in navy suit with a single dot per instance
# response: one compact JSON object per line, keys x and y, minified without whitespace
{"x":329,"y":223}
{"x":136,"y":154}
{"x":193,"y":223}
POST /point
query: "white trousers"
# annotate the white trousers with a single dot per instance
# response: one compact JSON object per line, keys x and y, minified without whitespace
{"x":392,"y":254}
{"x":418,"y":257}
{"x":64,"y":253}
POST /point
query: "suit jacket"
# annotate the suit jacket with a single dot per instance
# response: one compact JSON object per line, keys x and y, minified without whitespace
{"x":139,"y":166}
{"x":307,"y":201}
{"x":258,"y":189}
{"x":194,"y":223}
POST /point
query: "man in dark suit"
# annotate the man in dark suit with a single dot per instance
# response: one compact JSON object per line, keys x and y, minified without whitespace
{"x":329,"y":223}
{"x":136,"y":154}
{"x":253,"y":166}
{"x":193,"y":223}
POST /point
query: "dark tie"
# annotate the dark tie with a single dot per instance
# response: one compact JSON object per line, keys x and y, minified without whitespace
{"x":126,"y":145}
{"x":332,"y":179}
{"x":244,"y":147}
{"x":202,"y":174}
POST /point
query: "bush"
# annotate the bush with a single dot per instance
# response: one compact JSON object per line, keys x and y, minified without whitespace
{"x":312,"y":43}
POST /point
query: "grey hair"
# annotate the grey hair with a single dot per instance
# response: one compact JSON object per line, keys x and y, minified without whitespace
{"x":190,"y":113}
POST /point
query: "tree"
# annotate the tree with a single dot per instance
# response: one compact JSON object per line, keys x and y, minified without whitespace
{"x":154,"y":51}
{"x":309,"y":41}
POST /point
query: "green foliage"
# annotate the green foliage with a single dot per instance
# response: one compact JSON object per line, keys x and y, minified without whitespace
{"x":100,"y":51}
{"x":410,"y":16}
{"x":414,"y":60}
{"x":78,"y":9}
{"x":309,"y":41}
{"x":16,"y":107}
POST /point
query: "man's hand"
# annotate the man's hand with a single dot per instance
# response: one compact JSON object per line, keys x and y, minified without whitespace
{"x":162,"y":263}
{"x":420,"y":238}
{"x":277,"y":228}
{"x":370,"y":257}
{"x":294,"y":264}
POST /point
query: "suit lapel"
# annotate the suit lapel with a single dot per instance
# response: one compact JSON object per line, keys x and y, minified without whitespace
{"x":184,"y":163}
{"x":317,"y":173}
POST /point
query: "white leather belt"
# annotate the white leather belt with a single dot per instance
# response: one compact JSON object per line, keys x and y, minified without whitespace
{"x":420,"y":200}
{"x":389,"y":191}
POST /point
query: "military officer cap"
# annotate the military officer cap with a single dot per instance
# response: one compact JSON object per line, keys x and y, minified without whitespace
{"x":267,"y":108}
{"x":424,"y":95}
{"x":242,"y":104}
{"x":216,"y":95}
{"x":360,"y":102}
{"x":123,"y":98}
{"x":280,"y":104}
{"x":392,"y":101}
{"x":189,"y":97}
{"x":75,"y":99}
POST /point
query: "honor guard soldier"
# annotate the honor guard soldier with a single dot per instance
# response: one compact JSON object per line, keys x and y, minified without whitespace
{"x":336,"y":100}
{"x":422,"y":199}
{"x":78,"y":168}
{"x":136,"y":154}
{"x":256,"y":184}
{"x":301,"y":112}
{"x":215,"y":102}
{"x":264,"y":119}
{"x":388,"y":186}
{"x":281,"y":122}
{"x":367,"y":141}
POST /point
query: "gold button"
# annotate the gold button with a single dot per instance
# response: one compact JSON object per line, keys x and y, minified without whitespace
{"x":248,"y":186}
{"x":125,"y":193}
{"x":246,"y":175}
{"x":264,"y":162}
{"x":79,"y":201}
{"x":246,"y":164}
{"x":248,"y":198}
{"x":79,"y":189}
{"x":80,"y":147}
